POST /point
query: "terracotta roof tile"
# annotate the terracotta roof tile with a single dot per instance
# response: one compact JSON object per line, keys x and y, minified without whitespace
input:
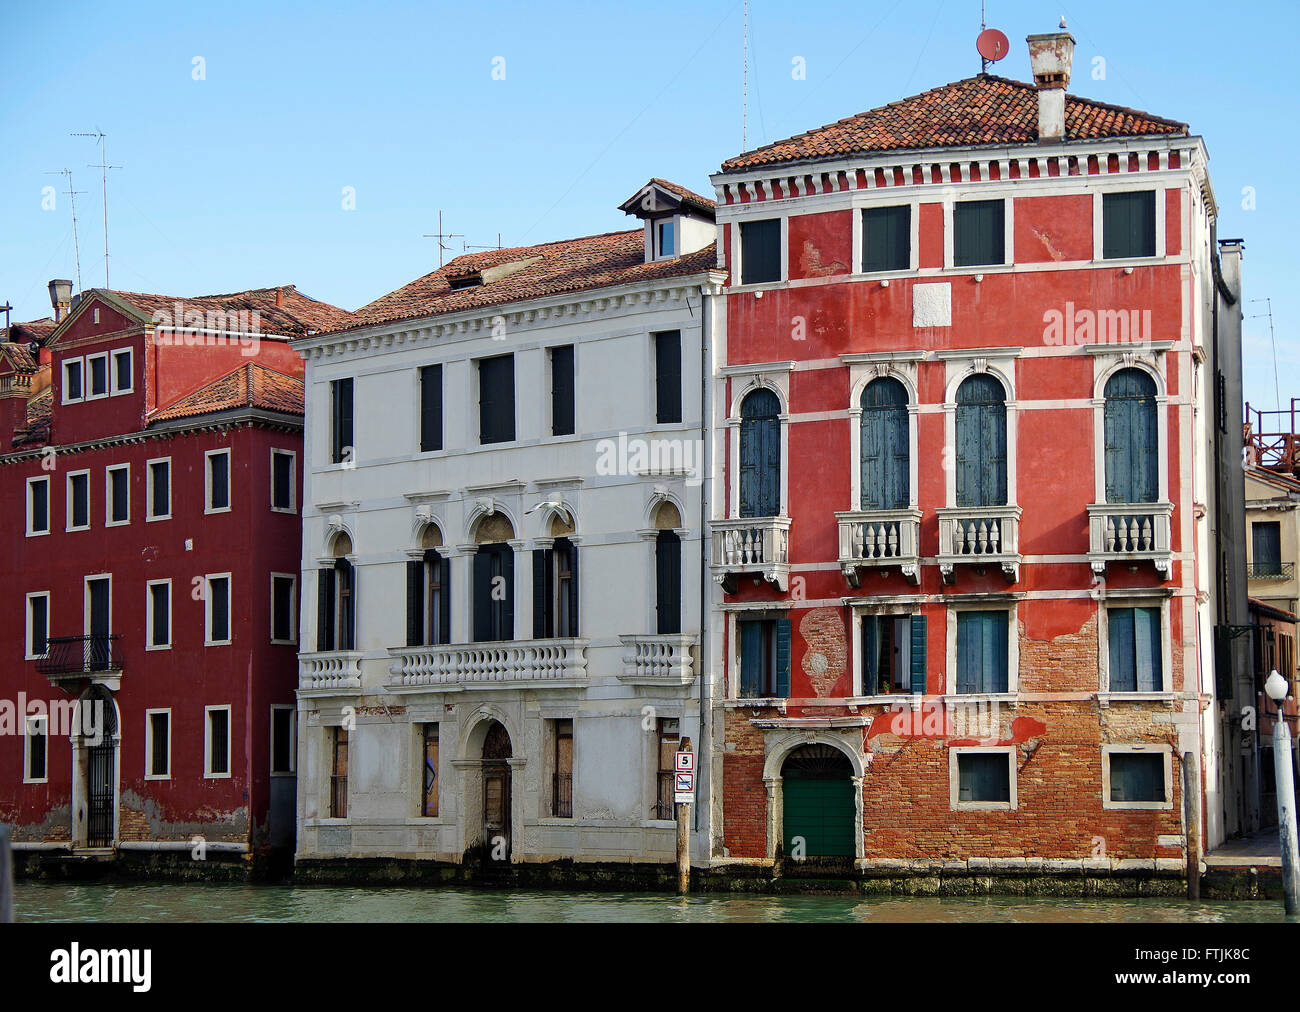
{"x":296,"y":316}
{"x":688,"y":196}
{"x":251,"y":385}
{"x":530,"y":272}
{"x":39,"y":412}
{"x":977,"y":111}
{"x":32,"y":330}
{"x":18,"y":356}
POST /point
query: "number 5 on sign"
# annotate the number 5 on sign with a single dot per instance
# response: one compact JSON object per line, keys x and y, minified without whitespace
{"x":685,"y":762}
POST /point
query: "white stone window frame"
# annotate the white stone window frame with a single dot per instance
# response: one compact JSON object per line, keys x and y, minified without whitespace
{"x":858,"y":610}
{"x":89,"y":394}
{"x":148,"y":615}
{"x":745,"y":380}
{"x":29,"y":530}
{"x":737,"y":255}
{"x":992,"y":603}
{"x":764,"y":611}
{"x":293,"y":608}
{"x":36,"y":724}
{"x":208,"y":456}
{"x":149,"y":515}
{"x":951,"y":196}
{"x":69,"y":526}
{"x":1000,"y":363}
{"x":1138,"y":748}
{"x":85,"y":584}
{"x":208,"y":641}
{"x":1137,"y":597}
{"x":293,"y":741}
{"x":675,"y":221}
{"x":28,"y":644}
{"x":108,"y":495}
{"x":954,"y":779}
{"x":862,"y":202}
{"x":548,"y":407}
{"x":1103,"y":185}
{"x":863,"y":370}
{"x":80,"y":363}
{"x":113,"y":389}
{"x":1109,"y":359}
{"x":292,"y":508}
{"x":208,"y":773}
{"x":148,"y":744}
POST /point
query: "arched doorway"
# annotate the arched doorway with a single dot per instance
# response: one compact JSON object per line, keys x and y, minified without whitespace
{"x":819,"y":811}
{"x":497,"y":753}
{"x":95,"y":762}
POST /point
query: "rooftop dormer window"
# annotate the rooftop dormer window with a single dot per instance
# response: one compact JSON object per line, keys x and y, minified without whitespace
{"x":677,"y":221}
{"x":665,"y":239}
{"x":459,"y":284}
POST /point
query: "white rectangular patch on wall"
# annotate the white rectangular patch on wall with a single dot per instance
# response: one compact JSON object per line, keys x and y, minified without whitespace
{"x":932,"y":305}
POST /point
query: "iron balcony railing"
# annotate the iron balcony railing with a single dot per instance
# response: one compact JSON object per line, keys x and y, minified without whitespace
{"x":80,"y":655}
{"x":1270,"y":570}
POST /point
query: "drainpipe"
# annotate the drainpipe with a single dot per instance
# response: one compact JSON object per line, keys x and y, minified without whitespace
{"x":704,"y":745}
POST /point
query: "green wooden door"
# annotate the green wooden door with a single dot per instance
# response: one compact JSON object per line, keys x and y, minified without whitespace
{"x":817,"y":797}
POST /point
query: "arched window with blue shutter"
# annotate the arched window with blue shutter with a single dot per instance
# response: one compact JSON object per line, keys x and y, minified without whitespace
{"x":981,"y":442}
{"x":760,"y":455}
{"x":885,"y":446}
{"x":1132,"y":455}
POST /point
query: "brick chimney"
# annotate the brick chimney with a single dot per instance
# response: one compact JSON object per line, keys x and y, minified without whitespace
{"x":1050,"y":57}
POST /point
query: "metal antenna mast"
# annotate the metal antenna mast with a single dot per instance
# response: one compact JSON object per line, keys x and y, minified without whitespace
{"x":984,"y":63}
{"x":103,"y":167}
{"x":467,"y":246}
{"x":440,"y":235}
{"x":72,"y":196}
{"x":744,"y":90}
{"x":1277,"y":393}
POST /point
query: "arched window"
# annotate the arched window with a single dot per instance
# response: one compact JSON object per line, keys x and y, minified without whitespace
{"x":760,"y":455}
{"x":494,"y":580}
{"x":1132,"y":454}
{"x":668,"y":582}
{"x":885,"y":446}
{"x":981,"y":442}
{"x":428,"y":593}
{"x":336,"y":600}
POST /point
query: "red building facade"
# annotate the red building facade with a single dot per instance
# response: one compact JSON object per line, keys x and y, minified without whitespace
{"x":152,"y":474}
{"x":964,"y":485}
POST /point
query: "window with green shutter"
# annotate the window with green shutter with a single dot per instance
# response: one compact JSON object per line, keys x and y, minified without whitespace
{"x":982,"y":656}
{"x":760,"y":251}
{"x":887,"y":238}
{"x":764,"y":658}
{"x":984,"y":776}
{"x":893,"y":654}
{"x":1136,"y":663}
{"x":1128,"y":225}
{"x":978,"y":233}
{"x":1137,"y":776}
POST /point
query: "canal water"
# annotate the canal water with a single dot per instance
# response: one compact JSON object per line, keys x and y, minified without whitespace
{"x":52,"y":902}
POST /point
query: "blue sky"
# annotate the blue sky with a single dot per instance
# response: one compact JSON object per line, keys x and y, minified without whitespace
{"x":237,"y":180}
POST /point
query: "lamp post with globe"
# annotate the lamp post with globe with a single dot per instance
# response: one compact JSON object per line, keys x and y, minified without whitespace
{"x":1276,"y":686}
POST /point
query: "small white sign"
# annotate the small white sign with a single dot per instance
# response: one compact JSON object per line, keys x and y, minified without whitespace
{"x":684,"y":788}
{"x":685,"y":762}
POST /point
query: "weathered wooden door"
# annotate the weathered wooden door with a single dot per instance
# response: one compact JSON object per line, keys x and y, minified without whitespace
{"x":1131,"y":446}
{"x":760,"y":455}
{"x":885,"y":449}
{"x":981,"y":442}
{"x":496,"y":792}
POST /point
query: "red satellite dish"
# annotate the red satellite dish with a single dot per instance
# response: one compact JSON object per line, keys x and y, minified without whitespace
{"x":992,"y":45}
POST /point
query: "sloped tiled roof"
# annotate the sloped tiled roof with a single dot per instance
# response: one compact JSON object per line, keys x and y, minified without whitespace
{"x":529,"y":272}
{"x":977,"y":111}
{"x":39,"y":411}
{"x":687,"y":196}
{"x":32,"y":330}
{"x":251,"y":385}
{"x":18,"y":356}
{"x":296,"y":316}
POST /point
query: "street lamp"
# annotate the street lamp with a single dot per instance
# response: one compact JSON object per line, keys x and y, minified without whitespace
{"x":1276,"y":686}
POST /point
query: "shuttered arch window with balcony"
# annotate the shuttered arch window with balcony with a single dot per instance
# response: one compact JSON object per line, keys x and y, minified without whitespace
{"x":1132,"y":444}
{"x":428,"y":600}
{"x":668,"y":582}
{"x":981,"y":426}
{"x":494,"y":580}
{"x":760,"y":455}
{"x":885,"y":446}
{"x":555,"y":590}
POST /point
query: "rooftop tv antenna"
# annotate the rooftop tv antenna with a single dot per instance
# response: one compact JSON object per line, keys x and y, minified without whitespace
{"x":467,"y":246}
{"x":744,"y":87}
{"x":103,"y":167}
{"x":440,"y":235}
{"x":992,"y":44}
{"x":1277,"y":392}
{"x":72,"y":196}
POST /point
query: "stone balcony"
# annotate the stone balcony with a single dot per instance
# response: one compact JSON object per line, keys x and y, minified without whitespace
{"x":330,"y":672}
{"x":879,"y":538}
{"x":664,"y":659}
{"x":1132,"y":533}
{"x":759,"y":545}
{"x":549,"y":663}
{"x":979,"y":536}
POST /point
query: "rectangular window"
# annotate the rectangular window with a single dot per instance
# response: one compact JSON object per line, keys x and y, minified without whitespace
{"x":283,"y":611}
{"x":496,"y":399}
{"x":117,"y":495}
{"x":217,"y":485}
{"x":764,"y":658}
{"x":984,"y":779}
{"x":665,"y":239}
{"x":160,"y":489}
{"x":668,"y":740}
{"x":893,"y":654}
{"x":338,"y":772}
{"x":38,"y":506}
{"x":36,"y":754}
{"x":668,"y":377}
{"x":978,"y":230}
{"x":216,"y":748}
{"x":123,"y":373}
{"x":217,"y":610}
{"x":760,"y":251}
{"x":887,"y":238}
{"x":428,"y":600}
{"x":158,"y":617}
{"x":73,"y":389}
{"x":79,"y":500}
{"x":341,"y":445}
{"x":429,"y":775}
{"x":284,"y":743}
{"x":982,"y":658}
{"x":38,"y":624}
{"x":430,"y":408}
{"x":158,"y":744}
{"x":562,"y":778}
{"x":1137,"y":777}
{"x":493,"y":593}
{"x":1136,"y":661}
{"x":283,"y":481}
{"x":97,"y":376}
{"x":1128,"y":225}
{"x":562,"y":391}
{"x":1266,"y":548}
{"x":555,"y":590}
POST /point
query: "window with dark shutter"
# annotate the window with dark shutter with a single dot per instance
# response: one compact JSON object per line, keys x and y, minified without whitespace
{"x":1128,"y":225}
{"x":119,"y":490}
{"x":885,"y":446}
{"x":983,"y":777}
{"x":1136,"y":658}
{"x":341,"y":444}
{"x":40,"y":506}
{"x":415,"y":603}
{"x":978,"y":230}
{"x":160,"y":473}
{"x":893,"y":654}
{"x":325,"y":594}
{"x":562,"y":391}
{"x":218,"y":609}
{"x":555,"y":590}
{"x":282,"y":720}
{"x":218,"y":481}
{"x":760,"y":251}
{"x":982,"y":658}
{"x":887,"y":238}
{"x":760,"y":455}
{"x":282,"y":480}
{"x":668,"y":582}
{"x":1266,"y":548}
{"x":160,"y":617}
{"x":493,"y":593}
{"x":430,"y":408}
{"x":345,"y":590}
{"x":668,"y":377}
{"x":764,"y":658}
{"x":159,"y":744}
{"x":496,"y":403}
{"x":981,"y":429}
{"x":1132,"y":458}
{"x":218,"y":742}
{"x":79,"y":488}
{"x":282,"y":609}
{"x":1135,"y":776}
